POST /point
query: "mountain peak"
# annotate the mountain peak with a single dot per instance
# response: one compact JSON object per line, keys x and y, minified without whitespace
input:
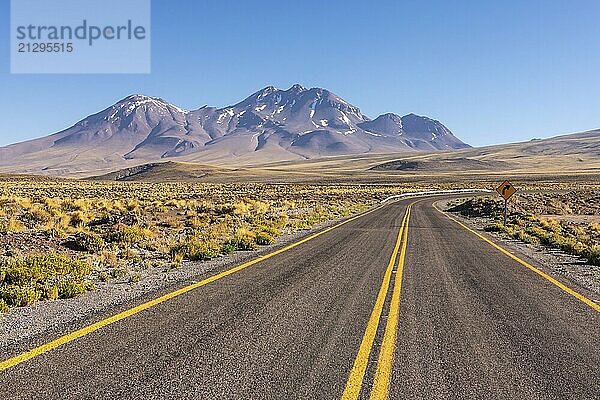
{"x":388,"y":124}
{"x":268,"y":90}
{"x":140,"y":97}
{"x":390,"y":116}
{"x":297,"y":88}
{"x":426,"y":128}
{"x":270,"y":123}
{"x":420,"y":120}
{"x":134,"y":101}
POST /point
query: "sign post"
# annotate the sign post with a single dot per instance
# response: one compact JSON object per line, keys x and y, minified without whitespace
{"x":506,"y":190}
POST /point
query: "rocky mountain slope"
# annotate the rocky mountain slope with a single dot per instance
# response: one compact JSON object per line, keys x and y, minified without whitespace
{"x":269,"y":125}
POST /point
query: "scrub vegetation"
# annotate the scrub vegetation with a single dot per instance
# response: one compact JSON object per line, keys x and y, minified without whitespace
{"x":59,"y":238}
{"x":569,"y":221}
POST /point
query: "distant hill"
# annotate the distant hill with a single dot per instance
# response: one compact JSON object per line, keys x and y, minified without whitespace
{"x":269,"y":125}
{"x":575,"y":156}
{"x":574,"y":152}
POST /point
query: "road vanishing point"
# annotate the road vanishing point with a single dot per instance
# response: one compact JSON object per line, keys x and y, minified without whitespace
{"x":400,"y":302}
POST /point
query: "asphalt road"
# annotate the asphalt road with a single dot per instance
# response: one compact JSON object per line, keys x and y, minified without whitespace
{"x":473,"y":323}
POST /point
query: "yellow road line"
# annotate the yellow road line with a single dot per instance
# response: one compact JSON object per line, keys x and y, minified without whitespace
{"x":120,"y":316}
{"x":383,"y":374}
{"x":355,"y":379}
{"x":561,"y":285}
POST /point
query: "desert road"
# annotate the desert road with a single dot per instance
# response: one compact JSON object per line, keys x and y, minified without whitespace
{"x":399,"y":303}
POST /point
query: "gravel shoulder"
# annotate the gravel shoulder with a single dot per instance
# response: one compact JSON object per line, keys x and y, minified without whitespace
{"x":25,"y":327}
{"x":572,"y":270}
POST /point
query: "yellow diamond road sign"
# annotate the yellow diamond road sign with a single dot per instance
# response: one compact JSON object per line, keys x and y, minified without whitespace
{"x":506,"y":190}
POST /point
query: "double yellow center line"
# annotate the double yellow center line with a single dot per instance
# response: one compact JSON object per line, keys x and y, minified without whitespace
{"x":383,"y":373}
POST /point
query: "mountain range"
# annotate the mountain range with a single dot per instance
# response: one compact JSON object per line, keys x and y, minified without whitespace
{"x":269,"y":125}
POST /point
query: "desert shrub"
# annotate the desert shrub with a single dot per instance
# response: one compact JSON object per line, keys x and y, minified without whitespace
{"x":529,"y":218}
{"x":567,"y":244}
{"x":25,"y":280}
{"x":176,"y":259}
{"x":525,"y":237}
{"x":218,"y":230}
{"x":50,"y":292}
{"x":195,"y":222}
{"x":69,"y":205}
{"x":3,"y":307}
{"x":118,"y":273}
{"x":87,"y":241}
{"x":54,"y":231}
{"x":23,"y":202}
{"x":224,"y":209}
{"x":551,"y":225}
{"x":260,"y":207}
{"x":593,"y":255}
{"x":537,"y":232}
{"x":170,"y":222}
{"x":580,"y":232}
{"x":11,"y":226}
{"x":60,"y":219}
{"x":36,"y":215}
{"x":510,"y":229}
{"x":109,"y":258}
{"x":71,"y":288}
{"x":19,"y":296}
{"x":132,"y":205}
{"x":296,"y":224}
{"x":227,"y":248}
{"x":195,"y":250}
{"x":264,"y":238}
{"x":78,"y":219}
{"x":149,"y":245}
{"x":174,"y":203}
{"x":134,"y":278}
{"x":131,"y":255}
{"x":244,"y":239}
{"x":129,"y":234}
{"x":479,"y":207}
{"x":241,"y":208}
{"x":104,"y":218}
{"x":570,"y":245}
{"x":157,"y":207}
{"x":34,"y":269}
{"x":50,"y":203}
{"x":494,"y":227}
{"x":272,"y":227}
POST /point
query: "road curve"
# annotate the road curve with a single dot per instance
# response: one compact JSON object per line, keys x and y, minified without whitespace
{"x":472,"y":323}
{"x":476,"y":324}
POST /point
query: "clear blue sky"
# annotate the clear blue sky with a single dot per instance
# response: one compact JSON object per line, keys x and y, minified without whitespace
{"x":493,"y":72}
